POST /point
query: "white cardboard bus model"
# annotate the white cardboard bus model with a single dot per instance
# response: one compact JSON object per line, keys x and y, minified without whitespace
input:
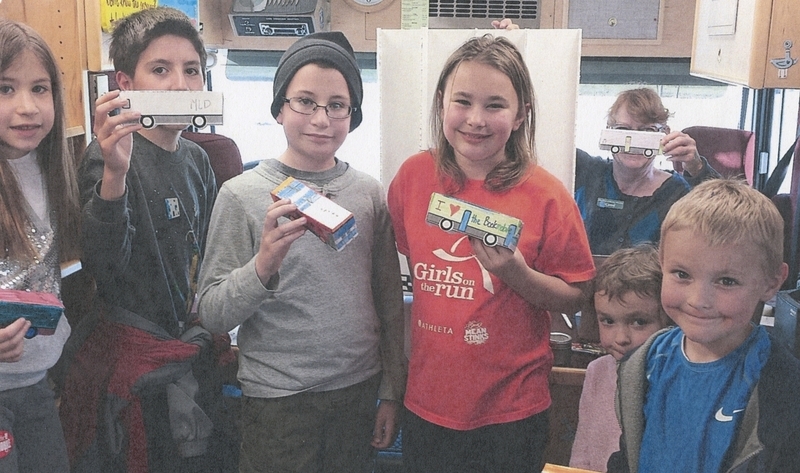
{"x":175,"y":107}
{"x":647,"y":143}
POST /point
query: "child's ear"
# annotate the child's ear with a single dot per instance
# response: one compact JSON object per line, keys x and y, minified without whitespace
{"x":522,"y":116}
{"x":124,"y":81}
{"x":774,"y":284}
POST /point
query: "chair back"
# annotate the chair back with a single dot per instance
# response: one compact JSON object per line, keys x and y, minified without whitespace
{"x":223,"y":153}
{"x":566,"y":386}
{"x":787,"y":206}
{"x":730,"y":151}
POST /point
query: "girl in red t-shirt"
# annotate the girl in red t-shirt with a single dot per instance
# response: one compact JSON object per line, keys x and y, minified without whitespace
{"x":477,"y":388}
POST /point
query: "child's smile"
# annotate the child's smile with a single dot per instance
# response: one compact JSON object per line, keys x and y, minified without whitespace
{"x":480,"y":111}
{"x":27,"y":113}
{"x":474,"y":138}
{"x":711,"y":292}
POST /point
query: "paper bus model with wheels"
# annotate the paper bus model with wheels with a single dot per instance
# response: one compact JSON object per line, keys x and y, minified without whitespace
{"x":647,"y":143}
{"x":42,"y":309}
{"x":455,"y":215}
{"x":175,"y":107}
{"x":330,"y":222}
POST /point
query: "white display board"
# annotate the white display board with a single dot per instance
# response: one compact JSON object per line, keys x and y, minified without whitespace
{"x":409,"y":64}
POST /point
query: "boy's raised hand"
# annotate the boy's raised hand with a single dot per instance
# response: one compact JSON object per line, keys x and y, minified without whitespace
{"x":276,"y":239}
{"x":12,"y":340}
{"x":113,"y":130}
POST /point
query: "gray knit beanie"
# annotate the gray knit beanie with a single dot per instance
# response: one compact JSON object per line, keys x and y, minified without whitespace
{"x":327,"y":47}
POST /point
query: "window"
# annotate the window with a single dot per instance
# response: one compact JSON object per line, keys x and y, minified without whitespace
{"x":690,"y":100}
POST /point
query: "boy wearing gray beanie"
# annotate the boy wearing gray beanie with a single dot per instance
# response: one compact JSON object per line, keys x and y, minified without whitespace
{"x":329,"y":48}
{"x":321,"y":330}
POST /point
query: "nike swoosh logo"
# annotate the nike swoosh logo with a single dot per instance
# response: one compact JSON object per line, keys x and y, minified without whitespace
{"x":725,"y":418}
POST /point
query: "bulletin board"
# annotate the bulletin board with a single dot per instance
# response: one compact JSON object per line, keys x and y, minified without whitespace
{"x":409,"y":64}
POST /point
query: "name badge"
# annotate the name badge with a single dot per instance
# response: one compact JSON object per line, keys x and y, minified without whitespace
{"x":173,"y":208}
{"x":610,"y":204}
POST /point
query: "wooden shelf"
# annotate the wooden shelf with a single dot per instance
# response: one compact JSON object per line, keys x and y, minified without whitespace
{"x":60,"y":24}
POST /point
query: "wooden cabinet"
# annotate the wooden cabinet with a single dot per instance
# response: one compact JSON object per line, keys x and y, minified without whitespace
{"x":61,"y":24}
{"x":755,"y":43}
{"x":668,"y":35}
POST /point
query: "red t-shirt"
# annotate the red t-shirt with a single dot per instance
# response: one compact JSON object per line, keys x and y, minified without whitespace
{"x":480,"y":354}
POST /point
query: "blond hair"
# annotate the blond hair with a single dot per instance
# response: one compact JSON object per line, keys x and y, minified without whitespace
{"x":502,"y":55}
{"x":727,"y":212}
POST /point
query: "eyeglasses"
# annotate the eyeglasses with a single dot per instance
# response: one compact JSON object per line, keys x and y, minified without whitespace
{"x":305,"y":106}
{"x":656,"y":128}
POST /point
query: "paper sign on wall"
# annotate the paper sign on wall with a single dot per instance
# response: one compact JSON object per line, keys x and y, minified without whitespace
{"x":114,"y":10}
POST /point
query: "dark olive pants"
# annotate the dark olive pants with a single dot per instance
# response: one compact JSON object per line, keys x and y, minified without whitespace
{"x":310,"y":432}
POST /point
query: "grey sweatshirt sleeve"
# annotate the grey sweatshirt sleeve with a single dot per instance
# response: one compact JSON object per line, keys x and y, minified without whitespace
{"x":230,"y":291}
{"x":388,"y":296}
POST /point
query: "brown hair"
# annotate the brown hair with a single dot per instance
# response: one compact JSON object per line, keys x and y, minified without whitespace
{"x":643,"y":105}
{"x":134,"y":33}
{"x":634,"y":269}
{"x":502,"y":55}
{"x":54,"y":159}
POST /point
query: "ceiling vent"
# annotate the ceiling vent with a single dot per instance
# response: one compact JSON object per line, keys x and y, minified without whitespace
{"x":480,"y":13}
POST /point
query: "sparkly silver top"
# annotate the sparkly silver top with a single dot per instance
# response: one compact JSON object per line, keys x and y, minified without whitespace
{"x":41,"y":352}
{"x":42,"y":275}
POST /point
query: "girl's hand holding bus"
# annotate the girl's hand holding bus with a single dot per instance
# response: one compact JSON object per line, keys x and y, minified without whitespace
{"x":542,"y":290}
{"x":113,"y":130}
{"x":276,"y":239}
{"x":498,"y":260}
{"x":12,"y":340}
